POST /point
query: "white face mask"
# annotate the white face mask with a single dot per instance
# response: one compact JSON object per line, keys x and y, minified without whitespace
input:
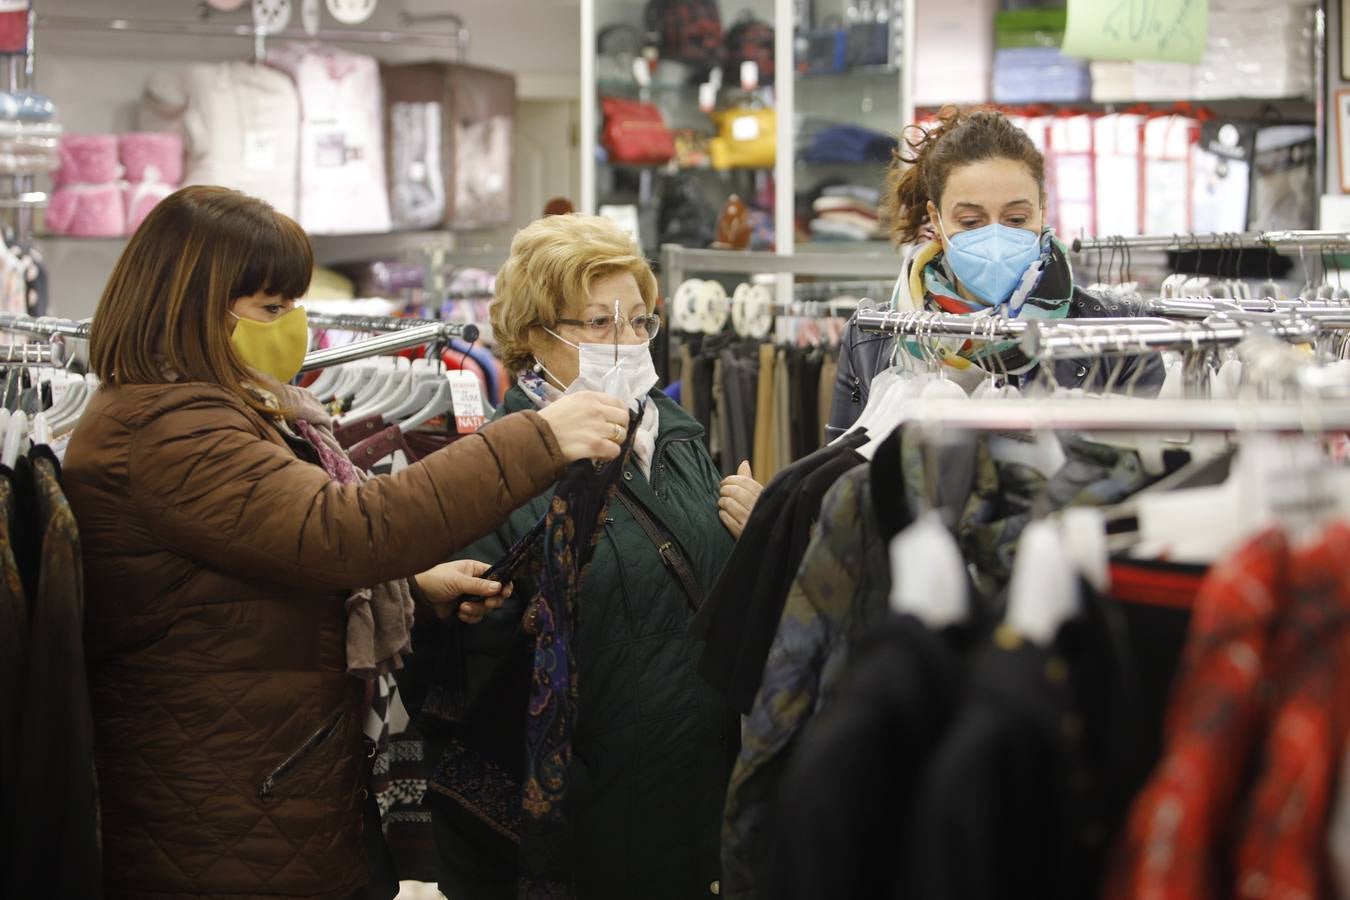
{"x":629,"y":379}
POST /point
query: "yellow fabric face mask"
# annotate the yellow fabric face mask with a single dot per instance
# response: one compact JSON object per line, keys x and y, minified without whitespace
{"x":275,"y":348}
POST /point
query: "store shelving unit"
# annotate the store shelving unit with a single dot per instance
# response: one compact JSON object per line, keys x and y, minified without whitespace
{"x":873,"y":96}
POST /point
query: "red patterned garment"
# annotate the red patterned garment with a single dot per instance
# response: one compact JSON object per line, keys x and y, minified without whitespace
{"x":1171,"y":847}
{"x":1280,"y":850}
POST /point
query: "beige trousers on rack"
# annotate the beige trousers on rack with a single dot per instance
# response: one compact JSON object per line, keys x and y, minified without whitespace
{"x":764,"y":415}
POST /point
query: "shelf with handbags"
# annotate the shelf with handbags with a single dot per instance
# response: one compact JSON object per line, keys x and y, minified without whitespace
{"x":694,"y":102}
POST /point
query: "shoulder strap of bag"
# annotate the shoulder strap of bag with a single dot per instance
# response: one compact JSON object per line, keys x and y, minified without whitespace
{"x":668,"y":547}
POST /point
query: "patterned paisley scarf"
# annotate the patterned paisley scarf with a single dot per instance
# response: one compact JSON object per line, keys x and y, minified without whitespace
{"x":1045,"y":292}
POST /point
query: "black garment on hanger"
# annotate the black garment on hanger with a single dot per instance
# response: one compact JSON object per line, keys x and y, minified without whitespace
{"x":1029,"y":785}
{"x":739,"y":618}
{"x":740,"y":390}
{"x":842,"y":812}
{"x":55,"y":799}
{"x":13,"y":652}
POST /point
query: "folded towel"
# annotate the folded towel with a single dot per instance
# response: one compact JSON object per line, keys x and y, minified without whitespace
{"x":87,"y":159}
{"x":143,"y":149}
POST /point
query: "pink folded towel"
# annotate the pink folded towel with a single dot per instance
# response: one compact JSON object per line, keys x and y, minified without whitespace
{"x":143,"y":197}
{"x":87,"y":211}
{"x":87,"y":159}
{"x":162,"y":150}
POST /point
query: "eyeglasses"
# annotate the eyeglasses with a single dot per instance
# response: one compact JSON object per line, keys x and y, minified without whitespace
{"x":603,"y":328}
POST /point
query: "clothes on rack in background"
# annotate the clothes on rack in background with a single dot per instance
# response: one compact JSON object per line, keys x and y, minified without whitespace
{"x":841,"y":588}
{"x":758,"y":402}
{"x":23,"y":279}
{"x":342,"y":173}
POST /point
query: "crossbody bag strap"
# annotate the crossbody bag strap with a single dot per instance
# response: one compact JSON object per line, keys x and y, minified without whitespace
{"x":668,"y":547}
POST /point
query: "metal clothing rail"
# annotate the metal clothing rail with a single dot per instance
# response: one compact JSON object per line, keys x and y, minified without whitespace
{"x":979,"y":328}
{"x":1326,"y":315}
{"x":1125,"y":414}
{"x":1266,"y":240}
{"x":31,"y":355}
{"x":1082,"y":338}
{"x":44,"y":326}
{"x":1078,"y":341}
{"x":395,"y":334}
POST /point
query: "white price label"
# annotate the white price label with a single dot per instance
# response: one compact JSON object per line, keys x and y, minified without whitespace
{"x":260,"y":150}
{"x":466,"y":395}
{"x":745,"y":128}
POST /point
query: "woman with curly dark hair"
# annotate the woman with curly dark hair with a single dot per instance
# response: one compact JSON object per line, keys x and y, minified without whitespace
{"x":966,"y":199}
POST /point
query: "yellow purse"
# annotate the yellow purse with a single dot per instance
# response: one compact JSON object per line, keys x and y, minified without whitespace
{"x":746,"y":139}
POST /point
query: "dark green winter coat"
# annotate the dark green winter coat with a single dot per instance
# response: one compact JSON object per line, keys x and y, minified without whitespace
{"x":649,"y":770}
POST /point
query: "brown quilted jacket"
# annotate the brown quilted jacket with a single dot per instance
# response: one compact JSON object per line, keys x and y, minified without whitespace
{"x":227,"y":734}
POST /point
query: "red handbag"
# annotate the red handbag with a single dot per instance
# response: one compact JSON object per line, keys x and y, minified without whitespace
{"x":635,"y":133}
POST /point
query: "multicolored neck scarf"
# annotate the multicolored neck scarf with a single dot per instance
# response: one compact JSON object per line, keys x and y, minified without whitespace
{"x":1045,"y":292}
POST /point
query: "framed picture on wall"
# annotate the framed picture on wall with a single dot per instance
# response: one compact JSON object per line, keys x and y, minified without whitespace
{"x":1343,"y":138}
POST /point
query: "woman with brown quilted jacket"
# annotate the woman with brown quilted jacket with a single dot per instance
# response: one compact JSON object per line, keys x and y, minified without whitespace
{"x":221,"y":556}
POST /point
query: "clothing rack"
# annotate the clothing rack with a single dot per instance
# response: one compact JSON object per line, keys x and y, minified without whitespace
{"x":1079,"y":338}
{"x":394,"y":334}
{"x":1268,"y":240}
{"x":1078,"y":341}
{"x":1120,"y":414}
{"x":30,"y":355}
{"x":987,"y":328}
{"x":1326,"y":315}
{"x":44,"y":326}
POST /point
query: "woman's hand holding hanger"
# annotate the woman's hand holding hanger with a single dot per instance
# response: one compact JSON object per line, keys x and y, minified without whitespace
{"x":587,"y":425}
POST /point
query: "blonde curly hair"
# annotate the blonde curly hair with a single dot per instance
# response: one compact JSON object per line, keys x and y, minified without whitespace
{"x":552,"y":265}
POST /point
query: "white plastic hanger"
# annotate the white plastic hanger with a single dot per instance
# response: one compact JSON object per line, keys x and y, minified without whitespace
{"x":394,"y":391}
{"x":1043,"y":594}
{"x":42,"y":433}
{"x":425,"y":379}
{"x":892,"y":410}
{"x":439,"y":404}
{"x":929,"y":578}
{"x":16,"y":433}
{"x":323,"y":385}
{"x":386,"y":370}
{"x":73,"y":397}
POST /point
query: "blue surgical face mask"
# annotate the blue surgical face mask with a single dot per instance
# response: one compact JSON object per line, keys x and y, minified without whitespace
{"x":990,"y":261}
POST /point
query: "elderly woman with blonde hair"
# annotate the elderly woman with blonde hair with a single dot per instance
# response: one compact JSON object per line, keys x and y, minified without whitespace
{"x":575,"y":310}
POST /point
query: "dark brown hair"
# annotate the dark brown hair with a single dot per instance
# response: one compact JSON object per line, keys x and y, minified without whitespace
{"x":919,"y":169}
{"x":164,"y":312}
